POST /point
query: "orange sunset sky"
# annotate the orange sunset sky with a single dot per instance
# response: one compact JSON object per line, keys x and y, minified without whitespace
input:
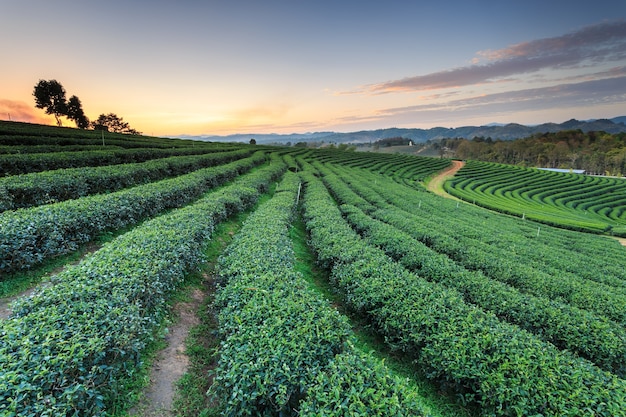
{"x":221,"y":67}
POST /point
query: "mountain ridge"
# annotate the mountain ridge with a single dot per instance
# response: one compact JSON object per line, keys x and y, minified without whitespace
{"x":509,"y":131}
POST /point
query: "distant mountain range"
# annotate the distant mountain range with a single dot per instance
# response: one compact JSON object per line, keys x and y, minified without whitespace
{"x":495,"y":131}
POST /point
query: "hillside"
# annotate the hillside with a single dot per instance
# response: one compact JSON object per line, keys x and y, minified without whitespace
{"x":325,"y":283}
{"x":596,"y":153}
{"x":505,"y":132}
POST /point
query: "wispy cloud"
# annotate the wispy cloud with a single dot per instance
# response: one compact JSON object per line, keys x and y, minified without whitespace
{"x":587,"y":93}
{"x":593,"y":45}
{"x":22,"y":112}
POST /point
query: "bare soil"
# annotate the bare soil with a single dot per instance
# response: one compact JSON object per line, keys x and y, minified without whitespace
{"x":171,"y":363}
{"x":436,"y":183}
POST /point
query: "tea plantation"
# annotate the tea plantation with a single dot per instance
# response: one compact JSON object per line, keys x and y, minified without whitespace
{"x":494,"y":314}
{"x":574,"y":201}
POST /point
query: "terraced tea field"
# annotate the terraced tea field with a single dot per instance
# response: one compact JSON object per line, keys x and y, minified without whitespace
{"x":488,"y":316}
{"x":574,"y":201}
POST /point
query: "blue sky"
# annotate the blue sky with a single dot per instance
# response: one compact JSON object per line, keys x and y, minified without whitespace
{"x":220,"y":67}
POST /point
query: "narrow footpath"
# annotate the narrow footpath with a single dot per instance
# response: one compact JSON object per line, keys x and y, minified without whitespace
{"x":436,"y":183}
{"x":171,"y":363}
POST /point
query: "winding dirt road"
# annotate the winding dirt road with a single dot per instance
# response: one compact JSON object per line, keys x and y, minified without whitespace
{"x":436,"y":183}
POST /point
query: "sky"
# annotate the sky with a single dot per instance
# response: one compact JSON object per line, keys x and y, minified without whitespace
{"x":185,"y":67}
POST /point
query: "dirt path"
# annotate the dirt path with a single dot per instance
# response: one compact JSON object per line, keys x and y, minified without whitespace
{"x":436,"y":183}
{"x":622,"y":241}
{"x":171,"y":363}
{"x":5,"y":303}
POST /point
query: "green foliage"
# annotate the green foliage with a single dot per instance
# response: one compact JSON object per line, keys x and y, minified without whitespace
{"x":584,"y":271}
{"x":507,"y":371}
{"x":573,"y":201}
{"x":280,"y":338}
{"x":34,"y":189}
{"x":402,"y":168}
{"x":33,"y":135}
{"x":15,"y":164}
{"x":356,"y":384}
{"x":34,"y":234}
{"x":67,"y":348}
{"x":593,"y":337}
{"x":494,"y":312}
{"x":595,"y":152}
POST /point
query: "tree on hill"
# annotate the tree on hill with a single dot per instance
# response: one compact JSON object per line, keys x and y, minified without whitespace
{"x":75,"y":112}
{"x":50,"y":96}
{"x":113,"y":123}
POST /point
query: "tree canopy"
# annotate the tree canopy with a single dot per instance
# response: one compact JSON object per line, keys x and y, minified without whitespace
{"x":595,"y":152}
{"x":75,"y":112}
{"x":50,"y":96}
{"x":113,"y":123}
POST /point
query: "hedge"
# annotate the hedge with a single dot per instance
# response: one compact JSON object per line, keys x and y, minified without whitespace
{"x":503,"y":369}
{"x":67,"y":349}
{"x":28,"y":190}
{"x":282,"y":343}
{"x":32,"y":235}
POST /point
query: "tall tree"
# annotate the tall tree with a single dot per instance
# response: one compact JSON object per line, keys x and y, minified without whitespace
{"x":75,"y":112}
{"x":50,"y":95}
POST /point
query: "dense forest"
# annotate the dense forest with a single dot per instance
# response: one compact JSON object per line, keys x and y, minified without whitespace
{"x":596,"y":152}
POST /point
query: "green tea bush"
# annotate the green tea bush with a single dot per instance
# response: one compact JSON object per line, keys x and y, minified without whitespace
{"x":595,"y":338}
{"x":67,"y":348}
{"x":29,"y":236}
{"x":282,"y":343}
{"x":503,"y":369}
{"x":14,"y":164}
{"x":22,"y":191}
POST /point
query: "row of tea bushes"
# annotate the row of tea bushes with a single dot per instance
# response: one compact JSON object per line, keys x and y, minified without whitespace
{"x":595,"y":338}
{"x":555,"y":249}
{"x":503,"y":369}
{"x":285,"y":351}
{"x":574,"y":201}
{"x":38,"y":188}
{"x":22,"y":148}
{"x":473,"y":244}
{"x":21,"y":134}
{"x":68,"y":348}
{"x":14,"y":164}
{"x":591,"y":336}
{"x":31,"y":235}
{"x":397,"y":166}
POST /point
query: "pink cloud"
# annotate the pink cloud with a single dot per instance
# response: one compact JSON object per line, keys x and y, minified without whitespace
{"x":18,"y":111}
{"x":601,"y":43}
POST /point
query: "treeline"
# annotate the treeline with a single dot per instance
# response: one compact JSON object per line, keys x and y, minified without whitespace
{"x":395,"y":141}
{"x":596,"y":152}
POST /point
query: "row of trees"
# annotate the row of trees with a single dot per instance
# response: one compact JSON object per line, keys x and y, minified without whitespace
{"x":50,"y":96}
{"x":595,"y":152}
